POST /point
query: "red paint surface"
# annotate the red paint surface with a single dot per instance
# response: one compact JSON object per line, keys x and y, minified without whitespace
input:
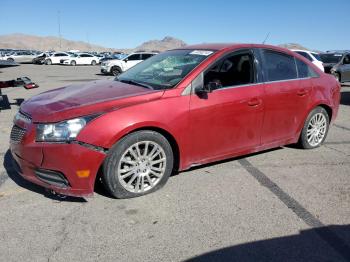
{"x":230,"y":122}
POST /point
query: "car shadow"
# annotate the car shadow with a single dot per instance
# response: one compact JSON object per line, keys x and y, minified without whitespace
{"x":20,"y":181}
{"x":345,"y":98}
{"x":305,"y":246}
{"x":5,"y":104}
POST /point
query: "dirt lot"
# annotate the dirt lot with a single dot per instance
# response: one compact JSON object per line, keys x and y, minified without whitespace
{"x":285,"y":204}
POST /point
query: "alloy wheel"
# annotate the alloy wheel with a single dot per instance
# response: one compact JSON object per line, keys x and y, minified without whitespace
{"x":316,"y":129}
{"x":141,"y":166}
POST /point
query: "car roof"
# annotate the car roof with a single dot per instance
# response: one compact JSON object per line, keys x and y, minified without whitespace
{"x":228,"y":46}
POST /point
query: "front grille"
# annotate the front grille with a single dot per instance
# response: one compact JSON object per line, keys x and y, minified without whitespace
{"x":17,"y":134}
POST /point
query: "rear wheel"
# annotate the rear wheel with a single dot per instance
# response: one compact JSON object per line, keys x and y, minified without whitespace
{"x":93,"y":62}
{"x":10,"y":60}
{"x":115,"y":70}
{"x":315,"y":129}
{"x":48,"y":62}
{"x":138,"y":164}
{"x":73,"y":63}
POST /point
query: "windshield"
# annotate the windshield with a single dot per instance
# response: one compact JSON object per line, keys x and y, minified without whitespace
{"x":331,"y":58}
{"x":165,"y":70}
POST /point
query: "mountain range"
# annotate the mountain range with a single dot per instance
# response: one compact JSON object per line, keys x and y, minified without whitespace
{"x":45,"y":43}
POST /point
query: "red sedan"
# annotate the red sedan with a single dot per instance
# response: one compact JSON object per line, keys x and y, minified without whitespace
{"x":178,"y":109}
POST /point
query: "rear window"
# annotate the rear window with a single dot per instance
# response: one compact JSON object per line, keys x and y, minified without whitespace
{"x":279,"y":66}
{"x":305,"y":70}
{"x":306,"y":55}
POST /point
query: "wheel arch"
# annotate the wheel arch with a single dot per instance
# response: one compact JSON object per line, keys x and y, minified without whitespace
{"x":328,"y":109}
{"x":171,"y":139}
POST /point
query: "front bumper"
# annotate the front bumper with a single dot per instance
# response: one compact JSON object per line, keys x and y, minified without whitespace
{"x":105,"y":69}
{"x":48,"y":164}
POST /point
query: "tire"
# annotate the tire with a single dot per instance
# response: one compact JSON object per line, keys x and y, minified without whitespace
{"x":10,"y":59}
{"x":141,"y":176}
{"x":93,"y":62}
{"x":73,"y":63}
{"x":48,"y":62}
{"x":115,"y":70}
{"x":337,"y":76}
{"x":313,"y":137}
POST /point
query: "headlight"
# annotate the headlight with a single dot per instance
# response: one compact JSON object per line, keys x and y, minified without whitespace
{"x":62,"y":131}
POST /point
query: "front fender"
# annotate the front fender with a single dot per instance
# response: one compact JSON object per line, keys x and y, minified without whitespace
{"x":170,"y":114}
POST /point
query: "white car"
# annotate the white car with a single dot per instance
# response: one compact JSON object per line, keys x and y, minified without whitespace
{"x":311,"y":56}
{"x":81,"y":59}
{"x":20,"y":56}
{"x":117,"y":66}
{"x":55,"y":58}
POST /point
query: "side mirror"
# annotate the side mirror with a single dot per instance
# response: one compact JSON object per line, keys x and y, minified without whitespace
{"x":207,"y":88}
{"x":346,"y":61}
{"x":126,"y":60}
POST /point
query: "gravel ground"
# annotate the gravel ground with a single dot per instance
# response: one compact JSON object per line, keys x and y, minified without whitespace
{"x":284,"y":204}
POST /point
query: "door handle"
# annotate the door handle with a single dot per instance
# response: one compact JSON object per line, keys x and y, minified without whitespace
{"x":302,"y":92}
{"x":254,"y":102}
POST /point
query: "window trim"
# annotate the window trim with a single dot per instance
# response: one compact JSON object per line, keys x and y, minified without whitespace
{"x":231,"y":53}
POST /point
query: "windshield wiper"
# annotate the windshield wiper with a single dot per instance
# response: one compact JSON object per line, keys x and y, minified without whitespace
{"x":135,"y":83}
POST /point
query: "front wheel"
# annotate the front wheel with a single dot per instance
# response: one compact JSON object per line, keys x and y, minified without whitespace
{"x":10,"y":60}
{"x":140,"y":163}
{"x":115,"y":70}
{"x":73,"y":63}
{"x":315,"y":129}
{"x":93,"y":62}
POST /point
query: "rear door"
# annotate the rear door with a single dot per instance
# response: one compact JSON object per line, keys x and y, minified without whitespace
{"x":286,"y":97}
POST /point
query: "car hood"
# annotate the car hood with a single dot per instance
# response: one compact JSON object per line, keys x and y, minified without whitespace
{"x":85,"y":99}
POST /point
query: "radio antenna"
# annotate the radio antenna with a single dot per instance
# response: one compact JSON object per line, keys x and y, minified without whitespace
{"x":267,"y":36}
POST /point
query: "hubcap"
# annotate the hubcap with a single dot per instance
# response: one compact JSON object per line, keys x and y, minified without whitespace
{"x":316,"y":129}
{"x":142,"y":166}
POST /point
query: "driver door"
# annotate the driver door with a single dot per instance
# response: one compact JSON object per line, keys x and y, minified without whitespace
{"x":229,"y":118}
{"x":132,"y":60}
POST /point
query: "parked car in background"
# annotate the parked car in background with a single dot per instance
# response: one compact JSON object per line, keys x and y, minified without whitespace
{"x":337,"y":64}
{"x":178,"y":109}
{"x":40,"y":59}
{"x":21,"y":56}
{"x":117,"y":66}
{"x":311,"y":56}
{"x":56,"y":57}
{"x":113,"y":57}
{"x":80,"y":59}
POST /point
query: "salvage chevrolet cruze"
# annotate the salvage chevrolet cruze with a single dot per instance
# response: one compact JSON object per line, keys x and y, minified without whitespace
{"x":177,"y":109}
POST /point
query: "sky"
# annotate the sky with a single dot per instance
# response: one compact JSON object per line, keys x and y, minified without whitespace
{"x":318,"y":25}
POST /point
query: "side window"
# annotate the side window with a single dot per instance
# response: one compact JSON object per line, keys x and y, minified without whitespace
{"x":279,"y":66}
{"x":84,"y":55}
{"x":134,"y":57}
{"x":304,"y":70}
{"x":306,"y":55}
{"x":237,"y":69}
{"x":145,"y":56}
